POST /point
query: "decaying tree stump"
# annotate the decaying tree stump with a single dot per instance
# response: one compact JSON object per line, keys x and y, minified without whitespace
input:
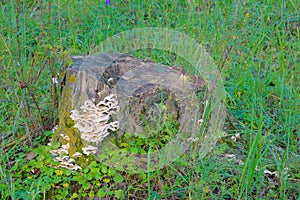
{"x":108,"y":95}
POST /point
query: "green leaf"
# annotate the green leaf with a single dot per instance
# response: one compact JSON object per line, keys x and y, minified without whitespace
{"x":67,"y":172}
{"x":93,"y":165}
{"x":47,"y":170}
{"x":101,"y":193}
{"x":94,"y":171}
{"x":120,"y":194}
{"x":124,"y":145}
{"x":48,"y":133}
{"x":98,"y":176}
{"x":86,"y":170}
{"x":74,"y":196}
{"x":49,"y":160}
{"x":111,"y":172}
{"x":140,"y":141}
{"x":85,"y":186}
{"x":127,"y":135}
{"x":39,"y":164}
{"x":106,"y":180}
{"x":88,"y":177}
{"x":104,"y":169}
{"x":134,"y":150}
{"x":142,"y":151}
{"x":155,"y":195}
{"x":91,"y":194}
{"x":41,"y":157}
{"x":118,"y":178}
{"x":80,"y":179}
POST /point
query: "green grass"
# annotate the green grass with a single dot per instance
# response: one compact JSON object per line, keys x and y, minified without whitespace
{"x":254,"y":44}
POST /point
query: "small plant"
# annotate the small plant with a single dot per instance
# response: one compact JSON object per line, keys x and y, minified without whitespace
{"x":156,"y":138}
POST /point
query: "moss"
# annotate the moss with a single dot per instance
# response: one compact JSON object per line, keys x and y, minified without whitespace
{"x":69,"y":62}
{"x":72,"y":79}
{"x":61,"y":75}
{"x":68,"y":121}
{"x":75,"y":141}
{"x":66,"y":125}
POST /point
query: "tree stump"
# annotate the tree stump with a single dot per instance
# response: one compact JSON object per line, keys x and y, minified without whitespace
{"x":108,"y":95}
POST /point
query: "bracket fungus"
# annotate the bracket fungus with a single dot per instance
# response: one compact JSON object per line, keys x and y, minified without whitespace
{"x":77,"y":155}
{"x":61,"y":155}
{"x":93,"y":120}
{"x":89,"y":150}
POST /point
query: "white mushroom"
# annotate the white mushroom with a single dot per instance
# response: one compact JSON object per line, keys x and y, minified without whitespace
{"x":66,"y":146}
{"x":68,"y":165}
{"x":89,"y":149}
{"x":76,"y":155}
{"x":65,"y":137}
{"x":92,"y":120}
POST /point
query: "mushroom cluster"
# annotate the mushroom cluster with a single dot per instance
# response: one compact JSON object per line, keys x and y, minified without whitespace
{"x":61,"y":155}
{"x":93,"y":120}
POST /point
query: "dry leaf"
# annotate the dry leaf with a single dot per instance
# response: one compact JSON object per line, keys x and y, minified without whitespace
{"x":30,"y":155}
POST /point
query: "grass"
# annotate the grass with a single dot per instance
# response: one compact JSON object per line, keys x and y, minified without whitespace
{"x":254,"y":44}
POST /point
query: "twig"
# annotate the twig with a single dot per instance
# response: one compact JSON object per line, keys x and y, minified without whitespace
{"x":15,"y":141}
{"x":39,"y":110}
{"x":225,"y":56}
{"x":4,"y":136}
{"x":51,"y":64}
{"x":227,"y":51}
{"x":18,"y":28}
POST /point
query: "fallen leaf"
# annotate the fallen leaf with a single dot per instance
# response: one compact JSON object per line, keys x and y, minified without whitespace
{"x":30,"y":155}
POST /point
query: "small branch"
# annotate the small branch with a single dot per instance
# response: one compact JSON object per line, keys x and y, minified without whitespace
{"x":18,"y":35}
{"x":39,"y":110}
{"x":227,"y":51}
